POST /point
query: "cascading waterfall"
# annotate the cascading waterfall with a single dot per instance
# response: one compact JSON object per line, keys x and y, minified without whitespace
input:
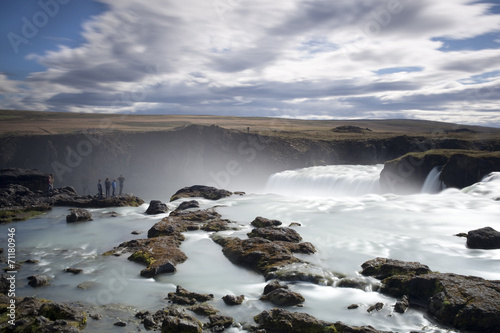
{"x":326,"y":181}
{"x":432,"y":183}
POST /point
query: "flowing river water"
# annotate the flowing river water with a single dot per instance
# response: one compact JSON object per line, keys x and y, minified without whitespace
{"x":341,"y":212}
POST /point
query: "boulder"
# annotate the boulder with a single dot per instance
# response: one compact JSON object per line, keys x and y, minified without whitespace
{"x":32,"y":179}
{"x":283,"y":297}
{"x":181,"y":323}
{"x":276,"y":234}
{"x":78,"y":215}
{"x":73,"y":270}
{"x":218,"y":322}
{"x":200,"y":191}
{"x":402,"y":305}
{"x":382,"y":268}
{"x":203,"y":309}
{"x":73,"y":200}
{"x":38,"y":280}
{"x":485,"y":238}
{"x":184,"y":297}
{"x":280,"y":320}
{"x":156,"y":207}
{"x":188,"y":205}
{"x":261,"y":222}
{"x":273,"y":285}
{"x":463,"y":302}
{"x":233,"y":300}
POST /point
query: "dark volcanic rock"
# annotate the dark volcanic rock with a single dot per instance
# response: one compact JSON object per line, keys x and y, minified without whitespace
{"x":273,"y":285}
{"x":233,"y":300}
{"x":181,"y":323}
{"x":38,"y":281}
{"x":74,"y":200}
{"x":261,"y":222}
{"x":184,"y":297}
{"x":485,"y":238}
{"x":283,"y":297}
{"x":188,"y":204}
{"x":73,"y":270}
{"x":402,"y":305}
{"x":276,"y":234}
{"x":200,"y":191}
{"x":218,"y":322}
{"x":280,"y":320}
{"x":382,"y":268}
{"x":78,"y":215}
{"x":34,"y":180}
{"x":203,"y":309}
{"x":156,"y":207}
{"x":38,"y":315}
{"x":464,"y":302}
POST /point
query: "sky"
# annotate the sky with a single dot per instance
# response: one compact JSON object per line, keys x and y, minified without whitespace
{"x":307,"y":59}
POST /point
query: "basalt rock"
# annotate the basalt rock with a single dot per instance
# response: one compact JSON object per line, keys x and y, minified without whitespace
{"x":276,"y":234}
{"x":200,"y":191}
{"x":38,"y":315}
{"x":485,"y":238}
{"x":382,"y":268}
{"x":40,"y":280}
{"x":176,"y":322}
{"x":283,"y":297}
{"x":261,"y":222}
{"x":465,"y":302}
{"x":182,"y":221}
{"x":280,"y":320}
{"x":78,"y":215}
{"x":184,"y":297}
{"x":156,"y":207}
{"x":73,"y":200}
{"x":34,"y":180}
{"x":188,"y":205}
{"x":233,"y":300}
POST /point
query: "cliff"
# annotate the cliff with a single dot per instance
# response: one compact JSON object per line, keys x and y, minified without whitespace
{"x":459,"y":169}
{"x":157,"y":163}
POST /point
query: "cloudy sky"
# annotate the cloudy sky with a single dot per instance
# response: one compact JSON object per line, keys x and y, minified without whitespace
{"x":312,"y":59}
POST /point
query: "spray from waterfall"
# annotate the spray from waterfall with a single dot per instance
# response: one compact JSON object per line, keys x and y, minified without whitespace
{"x":432,"y":183}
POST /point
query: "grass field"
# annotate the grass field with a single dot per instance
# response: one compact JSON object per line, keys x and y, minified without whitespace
{"x":42,"y":123}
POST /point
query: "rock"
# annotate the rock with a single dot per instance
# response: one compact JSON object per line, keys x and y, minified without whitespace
{"x":120,"y":324}
{"x":382,"y":268}
{"x":184,"y":297}
{"x":464,"y":302}
{"x":273,"y":285}
{"x":220,"y":322}
{"x":182,"y":221}
{"x":200,"y":191}
{"x":88,"y":285}
{"x":78,"y":215}
{"x":353,"y":283}
{"x":305,"y":272}
{"x":353,"y":306}
{"x":188,"y":205}
{"x":181,"y":323}
{"x":485,"y":238}
{"x":280,"y":320}
{"x":377,"y":306}
{"x":261,"y":222}
{"x":203,"y":309}
{"x":233,"y":300}
{"x":402,"y":305}
{"x":32,"y":179}
{"x":95,"y":316}
{"x":37,"y":315}
{"x":156,"y":207}
{"x":283,"y":297}
{"x":295,"y":224}
{"x":38,"y":281}
{"x":460,"y":168}
{"x":136,"y":232}
{"x":73,"y":270}
{"x":73,"y":200}
{"x":276,"y":234}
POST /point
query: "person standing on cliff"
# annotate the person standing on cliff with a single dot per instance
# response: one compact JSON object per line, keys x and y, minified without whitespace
{"x":114,"y":186}
{"x":107,"y":184}
{"x":121,"y":179}
{"x":99,"y":189}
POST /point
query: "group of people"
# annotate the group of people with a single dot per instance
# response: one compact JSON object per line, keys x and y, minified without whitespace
{"x":108,"y":184}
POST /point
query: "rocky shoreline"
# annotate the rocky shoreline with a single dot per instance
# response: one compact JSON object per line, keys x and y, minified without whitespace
{"x":463,"y":302}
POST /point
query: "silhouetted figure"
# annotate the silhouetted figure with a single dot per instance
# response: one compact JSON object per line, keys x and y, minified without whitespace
{"x":107,"y":184}
{"x":114,"y":186}
{"x":51,"y":185}
{"x":99,"y":189}
{"x":121,"y":179}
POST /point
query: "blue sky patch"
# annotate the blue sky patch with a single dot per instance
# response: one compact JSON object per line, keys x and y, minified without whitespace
{"x":482,"y":42}
{"x":392,"y":70}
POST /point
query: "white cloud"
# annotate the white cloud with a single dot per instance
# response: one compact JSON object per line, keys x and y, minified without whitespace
{"x":261,"y":57}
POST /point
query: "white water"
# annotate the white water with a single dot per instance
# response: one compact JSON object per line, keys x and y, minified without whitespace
{"x":346,"y":229}
{"x":432,"y":183}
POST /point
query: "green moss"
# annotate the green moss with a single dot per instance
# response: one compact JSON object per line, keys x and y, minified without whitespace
{"x":8,"y":216}
{"x":447,"y":153}
{"x":142,"y":257}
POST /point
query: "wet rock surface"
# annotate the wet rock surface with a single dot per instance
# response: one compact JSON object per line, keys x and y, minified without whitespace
{"x":184,"y":297}
{"x":39,"y":315}
{"x":188,"y":205}
{"x":283,"y":297}
{"x":463,"y":302}
{"x":485,"y":238}
{"x":233,"y":299}
{"x":382,"y":268}
{"x":200,"y":191}
{"x":78,"y":215}
{"x":156,"y":207}
{"x":280,"y":320}
{"x":276,"y":234}
{"x":40,"y":280}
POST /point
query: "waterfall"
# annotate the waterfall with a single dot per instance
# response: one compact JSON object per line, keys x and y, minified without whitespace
{"x":326,"y":181}
{"x":432,"y":183}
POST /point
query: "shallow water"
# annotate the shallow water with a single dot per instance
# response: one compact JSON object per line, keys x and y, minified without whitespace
{"x":347,"y":229}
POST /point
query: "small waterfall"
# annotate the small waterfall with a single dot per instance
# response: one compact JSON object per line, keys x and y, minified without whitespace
{"x":326,"y":181}
{"x":432,"y":183}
